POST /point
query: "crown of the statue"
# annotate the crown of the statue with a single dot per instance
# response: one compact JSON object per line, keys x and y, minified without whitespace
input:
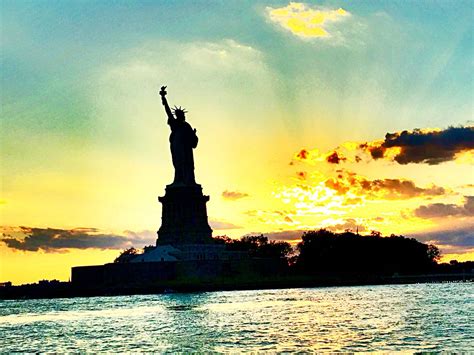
{"x":178,"y":110}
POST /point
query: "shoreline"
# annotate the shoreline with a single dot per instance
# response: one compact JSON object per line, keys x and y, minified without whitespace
{"x":56,"y":289}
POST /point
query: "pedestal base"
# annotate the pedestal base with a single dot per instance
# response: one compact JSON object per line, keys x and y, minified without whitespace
{"x":184,"y":216}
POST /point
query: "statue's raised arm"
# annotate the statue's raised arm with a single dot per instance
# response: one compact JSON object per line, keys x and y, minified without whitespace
{"x":183,"y":140}
{"x":165,"y":103}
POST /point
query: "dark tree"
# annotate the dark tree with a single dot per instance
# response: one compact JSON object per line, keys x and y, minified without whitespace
{"x":375,"y":233}
{"x":222,"y":239}
{"x":433,"y":252}
{"x":455,"y":266}
{"x":148,"y":248}
{"x":126,"y":255}
{"x":258,"y":246}
{"x":325,"y":251}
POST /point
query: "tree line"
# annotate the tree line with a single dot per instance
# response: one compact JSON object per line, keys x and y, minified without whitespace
{"x":324,"y":251}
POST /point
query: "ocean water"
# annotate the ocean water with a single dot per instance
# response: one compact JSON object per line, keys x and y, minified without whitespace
{"x":422,"y":317}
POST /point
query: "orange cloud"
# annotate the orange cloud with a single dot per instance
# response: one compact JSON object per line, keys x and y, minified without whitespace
{"x":233,"y":195}
{"x":309,"y":156}
{"x":314,"y":156}
{"x":335,"y":158}
{"x":302,"y":175}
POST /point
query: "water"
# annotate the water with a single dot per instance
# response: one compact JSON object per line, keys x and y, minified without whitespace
{"x":426,"y":317}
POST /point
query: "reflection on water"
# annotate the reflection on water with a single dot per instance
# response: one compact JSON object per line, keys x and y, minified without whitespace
{"x":429,"y":317}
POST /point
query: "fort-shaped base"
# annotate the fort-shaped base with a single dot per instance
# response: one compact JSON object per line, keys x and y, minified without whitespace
{"x":184,"y":216}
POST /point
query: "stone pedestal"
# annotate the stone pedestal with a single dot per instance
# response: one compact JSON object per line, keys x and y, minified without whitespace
{"x":184,"y":216}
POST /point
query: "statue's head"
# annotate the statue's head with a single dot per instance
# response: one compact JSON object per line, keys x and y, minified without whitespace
{"x":179,"y":113}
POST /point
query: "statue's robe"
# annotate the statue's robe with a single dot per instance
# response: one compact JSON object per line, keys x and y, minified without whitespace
{"x":182,"y":142}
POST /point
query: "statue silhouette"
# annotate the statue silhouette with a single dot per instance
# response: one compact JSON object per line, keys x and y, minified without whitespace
{"x":184,"y":213}
{"x":183,"y":140}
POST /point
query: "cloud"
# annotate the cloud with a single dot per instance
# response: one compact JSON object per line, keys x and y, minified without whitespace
{"x":302,"y":154}
{"x":233,"y":195}
{"x":274,"y":217}
{"x":309,"y":156}
{"x":314,"y":156}
{"x":60,"y":240}
{"x":306,"y":22}
{"x":334,"y":158}
{"x":429,"y":147}
{"x":420,"y":146}
{"x":302,"y":175}
{"x":391,"y":189}
{"x":217,"y":224}
{"x":337,"y":195}
{"x":441,"y":210}
{"x":460,"y":237}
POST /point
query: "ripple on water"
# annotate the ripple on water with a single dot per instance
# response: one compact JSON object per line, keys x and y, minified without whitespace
{"x":429,"y":317}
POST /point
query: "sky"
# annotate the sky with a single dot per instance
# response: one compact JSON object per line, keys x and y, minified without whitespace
{"x":346,"y":115}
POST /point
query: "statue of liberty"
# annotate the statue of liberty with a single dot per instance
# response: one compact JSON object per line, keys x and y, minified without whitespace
{"x":183,"y":140}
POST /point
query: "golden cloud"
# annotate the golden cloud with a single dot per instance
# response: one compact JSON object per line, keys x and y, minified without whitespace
{"x":304,"y":21}
{"x":336,"y":195}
